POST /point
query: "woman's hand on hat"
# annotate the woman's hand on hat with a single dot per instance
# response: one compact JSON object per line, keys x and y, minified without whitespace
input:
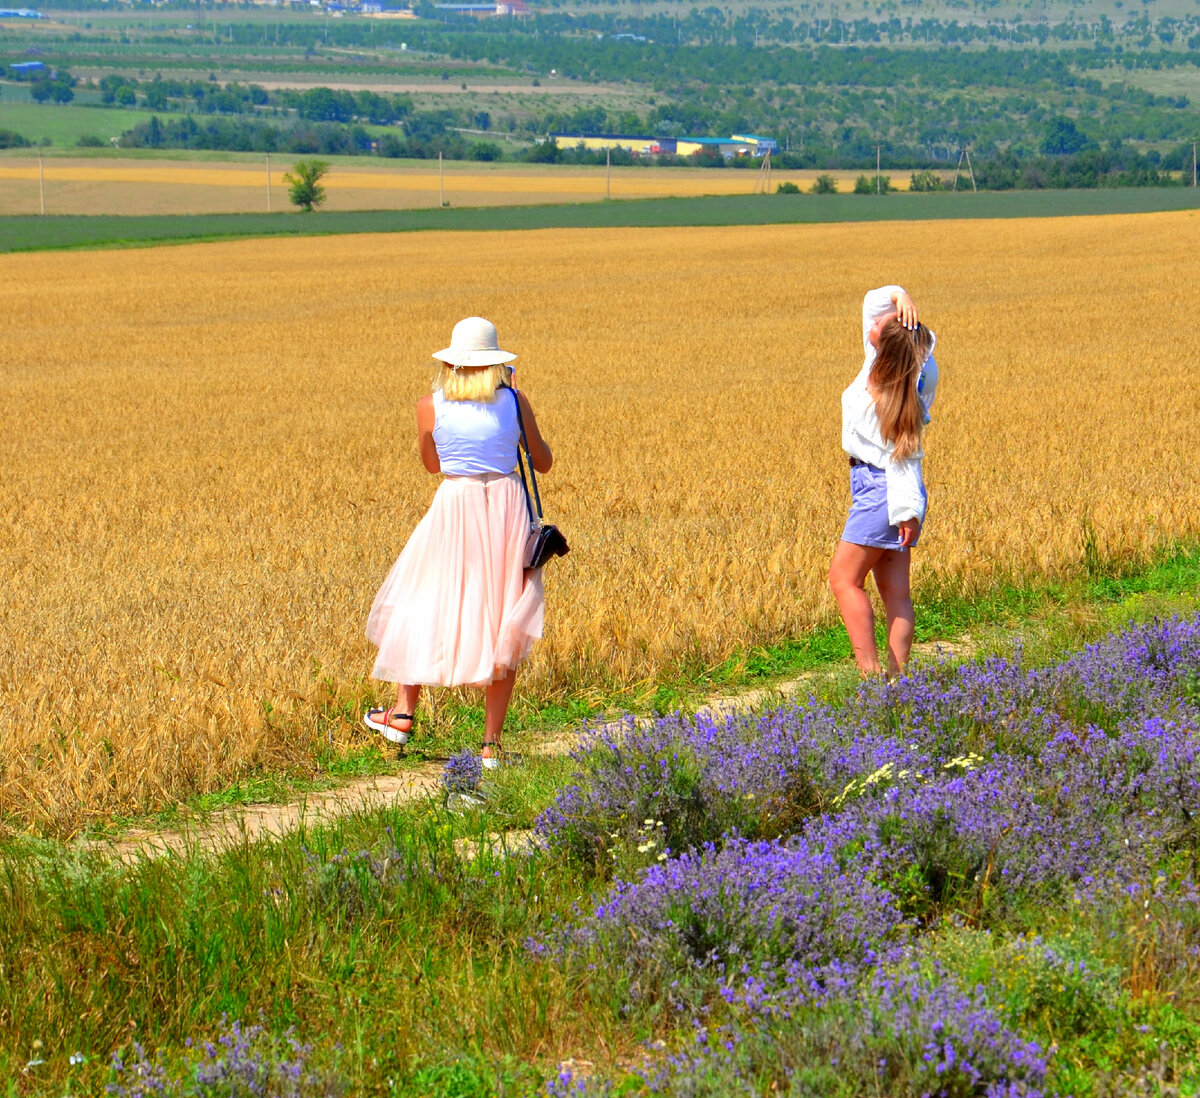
{"x":906,"y":309}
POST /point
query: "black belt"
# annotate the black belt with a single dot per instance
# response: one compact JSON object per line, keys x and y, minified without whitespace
{"x":855,"y":462}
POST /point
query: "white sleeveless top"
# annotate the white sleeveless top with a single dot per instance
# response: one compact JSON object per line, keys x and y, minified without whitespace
{"x":473,"y":437}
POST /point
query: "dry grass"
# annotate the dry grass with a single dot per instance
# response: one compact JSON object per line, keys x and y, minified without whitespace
{"x":210,"y":465}
{"x":166,"y":187}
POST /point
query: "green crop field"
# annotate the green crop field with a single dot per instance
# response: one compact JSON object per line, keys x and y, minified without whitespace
{"x":65,"y":125}
{"x":35,"y":233}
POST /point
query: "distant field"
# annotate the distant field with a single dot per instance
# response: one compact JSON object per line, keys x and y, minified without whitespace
{"x":33,"y":233}
{"x":65,"y":125}
{"x":1054,"y":11}
{"x":92,"y":186}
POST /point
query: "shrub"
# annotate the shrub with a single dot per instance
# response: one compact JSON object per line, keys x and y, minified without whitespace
{"x":926,"y":181}
{"x":824,"y":184}
{"x":787,"y":188}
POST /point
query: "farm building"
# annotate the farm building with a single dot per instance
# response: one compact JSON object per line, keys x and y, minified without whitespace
{"x":728,"y":147}
{"x":762,"y":145}
{"x":20,"y":13}
{"x":27,"y":69}
{"x":640,"y":146}
{"x":497,"y":7}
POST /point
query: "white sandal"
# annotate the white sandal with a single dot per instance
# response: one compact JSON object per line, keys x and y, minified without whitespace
{"x":385,"y":727}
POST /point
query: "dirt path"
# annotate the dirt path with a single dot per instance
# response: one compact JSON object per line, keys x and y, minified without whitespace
{"x":248,"y":823}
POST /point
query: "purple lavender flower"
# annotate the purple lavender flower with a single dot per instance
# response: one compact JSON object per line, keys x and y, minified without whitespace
{"x":463,"y":773}
{"x":239,"y":1062}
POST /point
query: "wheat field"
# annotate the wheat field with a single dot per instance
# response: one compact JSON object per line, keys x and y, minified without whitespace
{"x":84,"y":186}
{"x":210,"y":462}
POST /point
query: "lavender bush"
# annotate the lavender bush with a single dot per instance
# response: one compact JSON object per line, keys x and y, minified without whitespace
{"x":753,"y":914}
{"x":241,"y":1062}
{"x":973,"y":793}
{"x":352,"y":884}
{"x":462,"y":773}
{"x":906,"y":1030}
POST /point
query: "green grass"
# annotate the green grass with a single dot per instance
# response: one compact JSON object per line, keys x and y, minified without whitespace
{"x":63,"y":125}
{"x":42,"y":233}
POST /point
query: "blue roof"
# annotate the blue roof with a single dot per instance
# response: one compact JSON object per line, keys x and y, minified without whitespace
{"x":28,"y":66}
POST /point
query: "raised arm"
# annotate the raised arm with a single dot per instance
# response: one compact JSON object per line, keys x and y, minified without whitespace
{"x":882,"y":302}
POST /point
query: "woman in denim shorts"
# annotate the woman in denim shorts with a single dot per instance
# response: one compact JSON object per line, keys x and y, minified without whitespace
{"x":884,"y":413}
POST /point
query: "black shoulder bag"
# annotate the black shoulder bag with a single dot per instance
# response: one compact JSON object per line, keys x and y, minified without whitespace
{"x":545,"y":540}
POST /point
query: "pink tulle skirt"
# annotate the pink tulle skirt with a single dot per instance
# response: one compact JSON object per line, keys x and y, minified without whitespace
{"x":458,"y":607}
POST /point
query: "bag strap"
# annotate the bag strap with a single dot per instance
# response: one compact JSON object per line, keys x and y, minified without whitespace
{"x":521,"y":464}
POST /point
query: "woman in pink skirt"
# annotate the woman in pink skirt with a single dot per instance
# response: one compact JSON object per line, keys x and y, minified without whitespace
{"x":459,"y":607}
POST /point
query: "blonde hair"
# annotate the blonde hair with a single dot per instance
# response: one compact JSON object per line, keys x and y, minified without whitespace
{"x":894,"y":375}
{"x":471,"y":382}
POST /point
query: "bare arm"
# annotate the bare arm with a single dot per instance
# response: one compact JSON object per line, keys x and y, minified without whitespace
{"x":425,"y":421}
{"x":539,"y":452}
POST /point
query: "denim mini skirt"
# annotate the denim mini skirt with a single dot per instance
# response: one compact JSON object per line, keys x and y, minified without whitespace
{"x":867,"y":524}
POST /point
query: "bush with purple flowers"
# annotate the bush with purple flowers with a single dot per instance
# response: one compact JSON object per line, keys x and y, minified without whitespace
{"x":975,"y":794}
{"x":353,"y":883}
{"x":240,"y":1062}
{"x":462,"y":773}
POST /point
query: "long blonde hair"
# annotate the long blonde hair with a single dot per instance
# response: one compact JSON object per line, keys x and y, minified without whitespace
{"x":900,"y":354}
{"x":470,"y":382}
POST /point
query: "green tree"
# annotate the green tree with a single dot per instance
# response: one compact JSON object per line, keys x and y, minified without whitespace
{"x":1061,"y":136}
{"x":824,"y":184}
{"x":926,"y":181}
{"x":787,"y":187}
{"x":304,"y":183}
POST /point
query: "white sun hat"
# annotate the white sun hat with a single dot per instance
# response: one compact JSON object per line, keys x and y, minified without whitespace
{"x":474,"y":343}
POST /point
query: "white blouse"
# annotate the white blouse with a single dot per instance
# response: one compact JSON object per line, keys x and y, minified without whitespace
{"x":861,"y":437}
{"x":476,"y":437}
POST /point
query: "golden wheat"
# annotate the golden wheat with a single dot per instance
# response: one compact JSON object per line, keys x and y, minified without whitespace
{"x":210,"y":464}
{"x":125,"y":187}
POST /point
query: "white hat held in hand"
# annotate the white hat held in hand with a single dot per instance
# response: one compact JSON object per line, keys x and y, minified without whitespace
{"x":474,"y":343}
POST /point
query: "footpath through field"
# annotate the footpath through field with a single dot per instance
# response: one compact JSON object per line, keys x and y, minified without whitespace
{"x":252,"y":822}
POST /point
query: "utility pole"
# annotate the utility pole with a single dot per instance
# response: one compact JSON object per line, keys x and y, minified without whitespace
{"x":967,"y":150}
{"x":1193,"y":163}
{"x":608,"y":173}
{"x":268,"y":182}
{"x":41,"y":181}
{"x":441,"y":183}
{"x":878,"y":182}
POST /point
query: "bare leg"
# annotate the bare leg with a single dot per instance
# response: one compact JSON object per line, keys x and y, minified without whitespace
{"x":399,"y":718}
{"x":495,"y":709}
{"x":892,"y":579}
{"x":847,"y":576}
{"x":406,"y":699}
